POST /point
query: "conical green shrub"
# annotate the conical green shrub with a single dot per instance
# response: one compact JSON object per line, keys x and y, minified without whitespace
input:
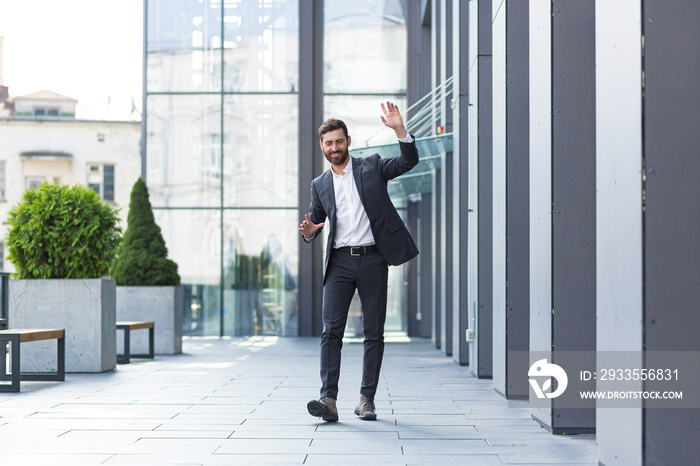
{"x":142,"y":259}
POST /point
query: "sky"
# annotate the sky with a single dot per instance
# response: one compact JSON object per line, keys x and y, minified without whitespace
{"x":90,"y":50}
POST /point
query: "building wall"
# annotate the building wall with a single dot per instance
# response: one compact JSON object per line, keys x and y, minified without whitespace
{"x":87,"y":142}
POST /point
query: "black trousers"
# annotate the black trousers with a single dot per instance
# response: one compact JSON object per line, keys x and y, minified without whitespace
{"x":345,"y":273}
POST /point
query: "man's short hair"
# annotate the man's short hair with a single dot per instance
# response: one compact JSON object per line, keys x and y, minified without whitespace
{"x":332,"y":124}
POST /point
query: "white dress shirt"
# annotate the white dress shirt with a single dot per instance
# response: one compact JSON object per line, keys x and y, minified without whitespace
{"x":352,"y":226}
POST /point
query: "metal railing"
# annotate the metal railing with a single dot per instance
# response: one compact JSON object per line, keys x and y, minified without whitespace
{"x":425,"y":114}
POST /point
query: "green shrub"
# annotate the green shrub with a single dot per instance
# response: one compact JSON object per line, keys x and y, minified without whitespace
{"x":62,"y":232}
{"x":142,"y":259}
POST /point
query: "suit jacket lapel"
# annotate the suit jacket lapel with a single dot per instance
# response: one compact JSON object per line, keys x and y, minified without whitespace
{"x":357,"y":174}
{"x":327,"y":195}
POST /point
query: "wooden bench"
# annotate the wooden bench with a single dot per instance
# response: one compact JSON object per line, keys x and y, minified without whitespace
{"x":128,"y":327}
{"x":18,"y":336}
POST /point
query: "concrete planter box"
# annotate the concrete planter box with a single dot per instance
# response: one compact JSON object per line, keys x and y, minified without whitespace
{"x":85,"y":308}
{"x":160,"y":304}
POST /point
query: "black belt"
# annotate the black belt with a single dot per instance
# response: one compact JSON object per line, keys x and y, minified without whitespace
{"x":358,"y":250}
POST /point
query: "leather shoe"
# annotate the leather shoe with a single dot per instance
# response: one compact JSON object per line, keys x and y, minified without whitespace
{"x":324,"y":408}
{"x":365,"y":409}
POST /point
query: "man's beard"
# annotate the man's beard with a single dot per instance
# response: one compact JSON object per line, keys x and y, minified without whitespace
{"x":337,"y":159}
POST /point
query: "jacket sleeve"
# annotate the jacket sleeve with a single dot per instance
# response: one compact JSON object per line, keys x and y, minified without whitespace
{"x":396,"y":166}
{"x":316,"y":212}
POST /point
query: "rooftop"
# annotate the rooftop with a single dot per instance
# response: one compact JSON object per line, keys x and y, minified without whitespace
{"x":45,"y":95}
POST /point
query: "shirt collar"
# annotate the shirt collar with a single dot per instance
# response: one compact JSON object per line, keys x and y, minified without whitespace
{"x":346,"y":171}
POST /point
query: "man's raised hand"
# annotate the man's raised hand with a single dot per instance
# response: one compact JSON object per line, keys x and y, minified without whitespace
{"x":309,"y":228}
{"x":392,"y":119}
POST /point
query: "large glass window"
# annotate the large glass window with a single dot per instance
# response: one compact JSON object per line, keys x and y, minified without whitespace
{"x":365,"y":46}
{"x":261,"y":150}
{"x":184,"y":150}
{"x":184,"y":46}
{"x":261,"y":45}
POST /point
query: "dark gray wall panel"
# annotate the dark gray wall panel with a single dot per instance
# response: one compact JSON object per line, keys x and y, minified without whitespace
{"x":672,"y":219}
{"x":518,"y":192}
{"x":446,"y":256}
{"x":412,"y":272}
{"x":419,"y":54}
{"x":573,"y":195}
{"x":425,"y":282}
{"x":436,"y":249}
{"x":310,"y":116}
{"x":484,"y":367}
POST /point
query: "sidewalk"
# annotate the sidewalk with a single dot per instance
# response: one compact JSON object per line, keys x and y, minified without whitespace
{"x":243,"y":401}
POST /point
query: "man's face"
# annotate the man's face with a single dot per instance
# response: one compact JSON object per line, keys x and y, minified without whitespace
{"x":335,"y":146}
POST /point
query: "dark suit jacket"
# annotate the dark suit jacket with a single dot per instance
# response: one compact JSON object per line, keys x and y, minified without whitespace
{"x":371,"y":174}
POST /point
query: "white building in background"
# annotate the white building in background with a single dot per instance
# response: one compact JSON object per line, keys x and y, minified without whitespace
{"x":40,"y":140}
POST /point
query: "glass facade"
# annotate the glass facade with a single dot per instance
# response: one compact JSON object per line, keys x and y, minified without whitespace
{"x":221,"y":158}
{"x":222,"y":144}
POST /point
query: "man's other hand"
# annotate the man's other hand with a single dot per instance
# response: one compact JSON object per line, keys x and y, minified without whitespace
{"x":309,"y":228}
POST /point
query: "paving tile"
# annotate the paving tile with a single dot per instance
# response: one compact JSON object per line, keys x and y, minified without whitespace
{"x":173,"y":446}
{"x":264,"y":446}
{"x":340,"y":446}
{"x":471,"y":460}
{"x":425,"y":459}
{"x":439,"y":432}
{"x":542,"y":457}
{"x":53,"y":459}
{"x":432,"y":420}
{"x":474,"y":446}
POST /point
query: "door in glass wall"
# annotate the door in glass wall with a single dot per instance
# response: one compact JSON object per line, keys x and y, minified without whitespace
{"x":193,"y":238}
{"x":260,"y":272}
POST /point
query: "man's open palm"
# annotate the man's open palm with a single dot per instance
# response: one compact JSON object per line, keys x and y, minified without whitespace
{"x":392,"y":118}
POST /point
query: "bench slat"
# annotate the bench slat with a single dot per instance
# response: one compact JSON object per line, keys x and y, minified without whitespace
{"x":137,"y":325}
{"x":36,"y":334}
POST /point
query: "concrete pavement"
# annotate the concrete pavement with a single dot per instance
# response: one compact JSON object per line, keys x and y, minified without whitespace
{"x":243,"y":401}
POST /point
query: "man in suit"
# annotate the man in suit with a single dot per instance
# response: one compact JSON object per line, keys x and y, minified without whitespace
{"x":366,"y":236}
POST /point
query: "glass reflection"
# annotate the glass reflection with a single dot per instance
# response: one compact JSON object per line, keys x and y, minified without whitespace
{"x":365,"y":46}
{"x":183,"y":46}
{"x":261,"y":45}
{"x":260,"y":278}
{"x":193,"y":238}
{"x":261,"y":150}
{"x":183,"y":154}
